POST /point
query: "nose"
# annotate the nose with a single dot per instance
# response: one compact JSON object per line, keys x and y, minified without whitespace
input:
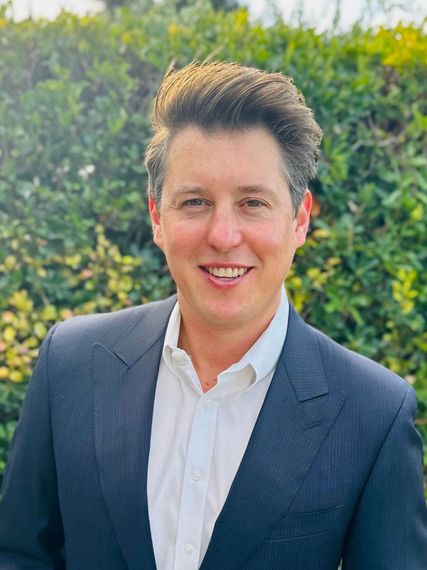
{"x":224,"y":231}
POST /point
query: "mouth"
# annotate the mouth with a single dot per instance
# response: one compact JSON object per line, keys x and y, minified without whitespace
{"x":226,"y":273}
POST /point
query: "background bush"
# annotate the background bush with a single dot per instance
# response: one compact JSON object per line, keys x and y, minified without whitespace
{"x":75,"y":98}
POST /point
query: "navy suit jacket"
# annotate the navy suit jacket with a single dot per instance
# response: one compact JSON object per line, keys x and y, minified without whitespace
{"x":332,"y":470}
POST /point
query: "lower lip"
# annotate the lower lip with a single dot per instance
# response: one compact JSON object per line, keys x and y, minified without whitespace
{"x":224,"y":283}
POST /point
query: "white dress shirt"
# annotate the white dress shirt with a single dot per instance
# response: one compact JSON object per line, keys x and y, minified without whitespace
{"x":198,"y":440}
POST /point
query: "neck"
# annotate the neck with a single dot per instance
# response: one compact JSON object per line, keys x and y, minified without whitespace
{"x":214,"y":350}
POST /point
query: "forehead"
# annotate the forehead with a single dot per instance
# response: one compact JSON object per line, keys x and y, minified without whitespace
{"x":250,"y":156}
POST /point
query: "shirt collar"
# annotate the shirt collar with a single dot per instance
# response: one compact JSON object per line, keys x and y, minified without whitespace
{"x":264,"y":353}
{"x":255,"y":365}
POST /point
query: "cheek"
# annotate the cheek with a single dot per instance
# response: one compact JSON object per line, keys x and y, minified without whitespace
{"x":180,"y":243}
{"x":185,"y":235}
{"x":283,"y":255}
{"x":276,"y":240}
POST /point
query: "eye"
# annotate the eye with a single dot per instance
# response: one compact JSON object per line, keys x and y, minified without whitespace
{"x":254,"y":203}
{"x":194,"y":202}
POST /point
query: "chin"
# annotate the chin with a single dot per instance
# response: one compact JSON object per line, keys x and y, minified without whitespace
{"x":228,"y":316}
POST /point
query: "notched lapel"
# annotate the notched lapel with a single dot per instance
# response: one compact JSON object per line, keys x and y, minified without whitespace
{"x":123,"y":406}
{"x":282,"y":448}
{"x":295,"y":419}
{"x":124,"y":380}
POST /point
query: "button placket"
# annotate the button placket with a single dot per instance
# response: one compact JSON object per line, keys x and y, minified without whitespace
{"x":195,"y":486}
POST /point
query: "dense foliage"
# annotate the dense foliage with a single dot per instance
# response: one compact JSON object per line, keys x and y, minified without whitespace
{"x":75,"y":99}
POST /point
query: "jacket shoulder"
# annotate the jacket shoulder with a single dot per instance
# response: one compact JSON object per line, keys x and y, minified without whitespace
{"x":79,"y":333}
{"x":354,"y":372}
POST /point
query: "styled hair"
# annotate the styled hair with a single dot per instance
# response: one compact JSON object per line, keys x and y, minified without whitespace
{"x":219,"y":96}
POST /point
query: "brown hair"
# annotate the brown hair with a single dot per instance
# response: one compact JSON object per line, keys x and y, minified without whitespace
{"x":228,"y":96}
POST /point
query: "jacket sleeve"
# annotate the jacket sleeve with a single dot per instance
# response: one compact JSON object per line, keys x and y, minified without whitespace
{"x":31,"y":533}
{"x":389,"y":528}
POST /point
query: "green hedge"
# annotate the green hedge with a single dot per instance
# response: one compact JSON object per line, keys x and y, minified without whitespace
{"x":75,"y":97}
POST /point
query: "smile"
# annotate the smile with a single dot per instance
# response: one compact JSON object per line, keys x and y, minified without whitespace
{"x":226,"y":272}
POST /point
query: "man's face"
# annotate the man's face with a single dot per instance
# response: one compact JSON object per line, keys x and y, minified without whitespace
{"x":226,"y":226}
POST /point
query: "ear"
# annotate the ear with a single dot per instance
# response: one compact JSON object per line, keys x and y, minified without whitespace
{"x":155,"y":223}
{"x":302,"y":219}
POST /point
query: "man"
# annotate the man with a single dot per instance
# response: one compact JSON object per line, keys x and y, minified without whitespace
{"x":216,"y":429}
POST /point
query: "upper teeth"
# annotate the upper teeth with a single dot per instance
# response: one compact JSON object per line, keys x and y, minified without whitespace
{"x":226,"y":271}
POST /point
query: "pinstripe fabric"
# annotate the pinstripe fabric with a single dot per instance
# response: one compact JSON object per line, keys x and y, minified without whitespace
{"x":332,"y":469}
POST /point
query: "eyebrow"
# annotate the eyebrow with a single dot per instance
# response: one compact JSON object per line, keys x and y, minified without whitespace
{"x":245,"y":189}
{"x":190,"y":190}
{"x":257,"y":188}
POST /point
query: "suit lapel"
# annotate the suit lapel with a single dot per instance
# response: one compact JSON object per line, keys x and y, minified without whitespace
{"x":296,"y":416}
{"x":124,"y":388}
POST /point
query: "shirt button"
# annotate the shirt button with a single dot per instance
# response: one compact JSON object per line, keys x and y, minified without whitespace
{"x":196,"y":475}
{"x":188,"y":549}
{"x":207,"y":404}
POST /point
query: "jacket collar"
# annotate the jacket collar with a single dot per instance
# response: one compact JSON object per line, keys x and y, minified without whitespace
{"x":302,"y":360}
{"x":300,"y":354}
{"x":145,"y":331}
